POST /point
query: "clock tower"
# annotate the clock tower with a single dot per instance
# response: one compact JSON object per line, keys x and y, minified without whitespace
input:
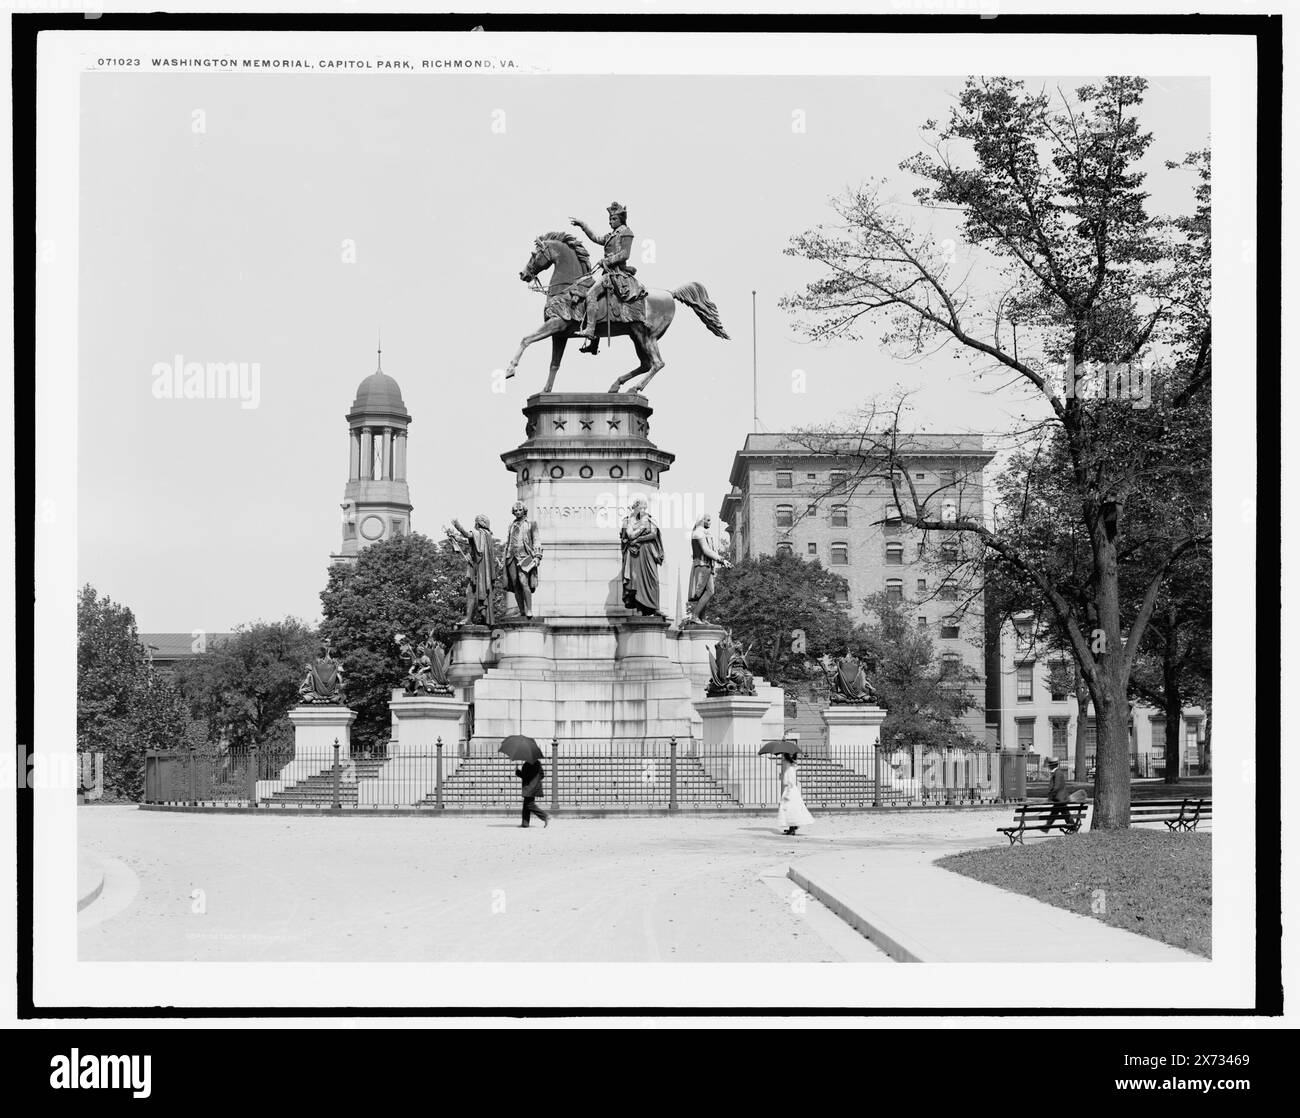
{"x":376,"y":501}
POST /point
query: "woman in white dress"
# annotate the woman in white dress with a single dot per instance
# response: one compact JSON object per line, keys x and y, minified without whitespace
{"x":792,"y":813}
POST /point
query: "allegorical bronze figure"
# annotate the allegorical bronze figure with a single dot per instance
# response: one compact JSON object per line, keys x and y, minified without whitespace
{"x":729,"y":672}
{"x":848,"y":682}
{"x":324,"y":682}
{"x":428,"y":665}
{"x":574,"y":298}
{"x":478,"y":549}
{"x":521,"y":558}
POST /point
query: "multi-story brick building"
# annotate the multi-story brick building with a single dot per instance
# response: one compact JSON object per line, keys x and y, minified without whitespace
{"x":830,"y":499}
{"x":1032,"y":705}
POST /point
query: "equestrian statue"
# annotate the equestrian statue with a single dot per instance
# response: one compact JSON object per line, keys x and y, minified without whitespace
{"x":613,"y":304}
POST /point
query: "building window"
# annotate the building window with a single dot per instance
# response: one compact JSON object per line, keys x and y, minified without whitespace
{"x":839,"y":479}
{"x":812,"y":549}
{"x":894,"y":589}
{"x":1025,"y":683}
{"x":784,"y":549}
{"x":784,"y":479}
{"x":1060,"y":738}
{"x":920,"y":477}
{"x":811,"y":477}
{"x":894,"y":554}
{"x":923,"y":622}
{"x":950,"y":629}
{"x":948,"y":592}
{"x":948,"y":552}
{"x":839,"y":554}
{"x":1058,"y":679}
{"x":840,"y":516}
{"x":784,"y":516}
{"x":948,"y":512}
{"x":920,"y":586}
{"x":812,"y":510}
{"x":1025,"y":734}
{"x":1090,"y":735}
{"x":951,"y":666}
{"x":947,"y":477}
{"x":842,"y":595}
{"x":1193,"y":736}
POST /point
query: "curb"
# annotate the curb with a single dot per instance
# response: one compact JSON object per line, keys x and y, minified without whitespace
{"x":90,"y":879}
{"x":889,"y":944}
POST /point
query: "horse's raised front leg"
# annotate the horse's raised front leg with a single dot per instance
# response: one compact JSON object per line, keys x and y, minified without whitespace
{"x":558,"y":342}
{"x":547,"y":328}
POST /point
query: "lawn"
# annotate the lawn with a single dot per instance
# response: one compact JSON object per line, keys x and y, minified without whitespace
{"x":1153,"y":883}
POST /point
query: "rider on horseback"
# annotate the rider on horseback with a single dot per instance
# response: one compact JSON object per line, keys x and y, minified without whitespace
{"x":618,"y":275}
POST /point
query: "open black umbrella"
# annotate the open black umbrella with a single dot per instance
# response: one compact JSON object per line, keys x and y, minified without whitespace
{"x":519,"y":748}
{"x":780,"y":747}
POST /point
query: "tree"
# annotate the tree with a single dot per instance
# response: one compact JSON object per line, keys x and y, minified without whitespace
{"x":925,"y":701}
{"x":408,"y":584}
{"x":244,"y":687}
{"x":791,"y":611}
{"x":124,"y":707}
{"x":1053,"y":210}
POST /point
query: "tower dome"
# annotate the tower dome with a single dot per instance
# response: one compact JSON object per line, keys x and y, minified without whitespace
{"x":379,"y":395}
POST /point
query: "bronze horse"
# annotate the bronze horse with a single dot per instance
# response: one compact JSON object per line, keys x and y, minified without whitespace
{"x":564,"y":301}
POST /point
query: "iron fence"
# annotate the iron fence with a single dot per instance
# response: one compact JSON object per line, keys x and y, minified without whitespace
{"x":667,"y":775}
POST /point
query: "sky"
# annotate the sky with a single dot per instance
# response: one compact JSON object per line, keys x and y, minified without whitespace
{"x":285,"y":220}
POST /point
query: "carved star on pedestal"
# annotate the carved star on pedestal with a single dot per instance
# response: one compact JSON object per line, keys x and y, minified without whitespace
{"x":559,"y":424}
{"x":613,"y":424}
{"x":586,"y":424}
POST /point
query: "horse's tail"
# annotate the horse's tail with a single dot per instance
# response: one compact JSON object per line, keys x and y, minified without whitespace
{"x":695,"y":297}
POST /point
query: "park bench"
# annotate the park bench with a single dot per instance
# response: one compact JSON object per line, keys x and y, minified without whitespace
{"x":1033,"y":817}
{"x":1177,"y":815}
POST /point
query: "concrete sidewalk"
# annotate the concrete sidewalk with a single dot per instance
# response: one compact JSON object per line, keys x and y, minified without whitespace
{"x":917,"y":912}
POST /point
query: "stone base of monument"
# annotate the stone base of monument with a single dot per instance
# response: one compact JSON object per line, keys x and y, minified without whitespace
{"x":410,"y":774}
{"x":733,"y":731}
{"x":856,"y":725}
{"x":315,"y":730}
{"x":472,"y":654}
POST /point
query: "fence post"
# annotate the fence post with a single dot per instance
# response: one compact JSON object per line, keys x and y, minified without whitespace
{"x":876,"y":772}
{"x":194,"y":799}
{"x":437,"y":775}
{"x":672,"y":774}
{"x":338,"y":803}
{"x":555,"y":773}
{"x":252,"y":776}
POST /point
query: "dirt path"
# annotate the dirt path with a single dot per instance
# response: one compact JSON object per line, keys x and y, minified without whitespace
{"x":470,"y":889}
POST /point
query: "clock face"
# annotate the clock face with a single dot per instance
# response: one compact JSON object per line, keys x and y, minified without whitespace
{"x":372,"y":527}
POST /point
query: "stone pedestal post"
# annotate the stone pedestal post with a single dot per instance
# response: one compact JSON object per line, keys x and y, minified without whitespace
{"x":410,"y":775}
{"x":315,"y":729}
{"x":471,"y":655}
{"x":853,"y":739}
{"x":733,"y":732}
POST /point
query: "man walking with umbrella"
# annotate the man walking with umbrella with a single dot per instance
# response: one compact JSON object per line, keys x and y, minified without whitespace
{"x":530,"y":772}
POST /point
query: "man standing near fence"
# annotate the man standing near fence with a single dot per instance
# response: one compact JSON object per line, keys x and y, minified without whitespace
{"x":1056,"y":792}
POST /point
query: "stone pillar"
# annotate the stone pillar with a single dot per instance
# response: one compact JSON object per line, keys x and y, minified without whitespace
{"x":388,"y":454}
{"x":315,"y":728}
{"x":852,"y":733}
{"x":367,"y":454}
{"x":410,"y":774}
{"x":354,"y":456}
{"x":399,"y":470}
{"x":733,"y":732}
